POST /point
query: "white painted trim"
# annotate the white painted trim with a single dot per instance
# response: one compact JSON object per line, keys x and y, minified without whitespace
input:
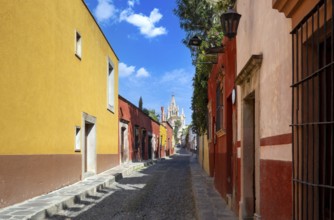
{"x":77,"y":50}
{"x":110,"y":106}
{"x":277,"y":152}
{"x":239,"y":152}
{"x":91,"y":157}
{"x":126,"y":142}
{"x":77,"y":139}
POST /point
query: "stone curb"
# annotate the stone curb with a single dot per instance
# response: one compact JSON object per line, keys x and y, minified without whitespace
{"x":49,"y":204}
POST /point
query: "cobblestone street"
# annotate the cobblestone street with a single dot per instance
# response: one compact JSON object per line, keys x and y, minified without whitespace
{"x":162,"y":191}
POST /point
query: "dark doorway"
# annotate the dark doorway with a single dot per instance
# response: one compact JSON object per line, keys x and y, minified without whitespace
{"x":123,"y":145}
{"x":150,"y":147}
{"x":229,"y":142}
{"x":249,"y":153}
{"x":143,"y":145}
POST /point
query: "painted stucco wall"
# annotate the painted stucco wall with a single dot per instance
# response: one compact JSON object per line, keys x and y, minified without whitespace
{"x":203,"y":153}
{"x":263,"y":30}
{"x":256,"y":35}
{"x":135,"y":117}
{"x":44,"y":87}
{"x":163,"y":139}
{"x":44,"y":91}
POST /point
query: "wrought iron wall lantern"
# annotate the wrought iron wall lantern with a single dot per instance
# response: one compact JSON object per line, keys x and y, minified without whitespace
{"x":230,"y":22}
{"x":195,"y":41}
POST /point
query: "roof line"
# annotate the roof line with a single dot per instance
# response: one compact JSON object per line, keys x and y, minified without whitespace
{"x":83,"y":1}
{"x":124,"y":99}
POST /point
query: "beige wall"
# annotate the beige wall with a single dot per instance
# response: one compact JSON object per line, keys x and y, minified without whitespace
{"x":203,"y":153}
{"x":263,"y":30}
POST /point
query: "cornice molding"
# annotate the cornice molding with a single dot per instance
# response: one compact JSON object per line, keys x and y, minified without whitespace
{"x":252,"y":64}
{"x":288,"y":7}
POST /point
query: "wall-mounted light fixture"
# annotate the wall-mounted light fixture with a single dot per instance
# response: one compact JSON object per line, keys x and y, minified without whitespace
{"x":195,"y":41}
{"x":230,"y":22}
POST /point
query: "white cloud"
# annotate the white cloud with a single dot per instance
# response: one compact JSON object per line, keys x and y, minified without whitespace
{"x":142,"y":72}
{"x":131,"y":3}
{"x":125,"y":70}
{"x":105,"y":10}
{"x":180,"y":76}
{"x":145,"y":24}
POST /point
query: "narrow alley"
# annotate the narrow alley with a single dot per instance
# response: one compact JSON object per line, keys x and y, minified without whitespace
{"x":161,"y":191}
{"x":171,"y":188}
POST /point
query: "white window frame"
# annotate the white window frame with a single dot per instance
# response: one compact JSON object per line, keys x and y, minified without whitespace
{"x":78,"y":44}
{"x":110,"y":85}
{"x":77,"y":139}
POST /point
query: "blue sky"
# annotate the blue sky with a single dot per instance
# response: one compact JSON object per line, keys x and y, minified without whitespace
{"x":154,"y":64}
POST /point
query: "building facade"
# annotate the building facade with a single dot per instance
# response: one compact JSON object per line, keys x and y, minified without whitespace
{"x":203,"y":152}
{"x":312,"y":112}
{"x":161,"y":153}
{"x":263,"y":80}
{"x":139,"y":134}
{"x":58,"y":92}
{"x":222,"y":121}
{"x":270,"y":112}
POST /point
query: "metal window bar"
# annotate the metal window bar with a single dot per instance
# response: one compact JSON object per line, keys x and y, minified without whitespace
{"x":312,"y":114}
{"x":218,"y":105}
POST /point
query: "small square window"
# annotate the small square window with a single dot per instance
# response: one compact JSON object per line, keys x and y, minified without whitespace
{"x":78,"y":46}
{"x":111,"y":86}
{"x":77,"y":146}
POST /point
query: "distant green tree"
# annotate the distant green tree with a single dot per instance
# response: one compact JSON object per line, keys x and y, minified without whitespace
{"x":140,"y":104}
{"x":199,"y":100}
{"x":152,"y":114}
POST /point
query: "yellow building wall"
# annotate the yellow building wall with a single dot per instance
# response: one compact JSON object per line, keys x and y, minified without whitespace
{"x":163,"y":135}
{"x":44,"y":87}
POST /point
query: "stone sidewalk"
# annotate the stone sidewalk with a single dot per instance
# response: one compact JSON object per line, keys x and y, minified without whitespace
{"x":49,"y":204}
{"x":209,"y":204}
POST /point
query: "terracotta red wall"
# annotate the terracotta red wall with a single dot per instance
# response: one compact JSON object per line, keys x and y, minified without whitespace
{"x":221,"y":171}
{"x":276,"y":189}
{"x":169,"y":138}
{"x":136,"y":117}
{"x":211,"y":97}
{"x":276,"y":182}
{"x":223,"y":154}
{"x":237,"y":178}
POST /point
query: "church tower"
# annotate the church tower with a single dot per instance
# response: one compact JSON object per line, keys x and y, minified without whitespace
{"x":173,"y":114}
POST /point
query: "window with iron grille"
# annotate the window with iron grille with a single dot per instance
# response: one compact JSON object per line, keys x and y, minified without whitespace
{"x":219,"y":107}
{"x":312,"y":115}
{"x":210,"y":121}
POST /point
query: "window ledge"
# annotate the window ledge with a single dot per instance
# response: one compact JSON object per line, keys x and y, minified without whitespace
{"x":111,"y":108}
{"x":78,"y":56}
